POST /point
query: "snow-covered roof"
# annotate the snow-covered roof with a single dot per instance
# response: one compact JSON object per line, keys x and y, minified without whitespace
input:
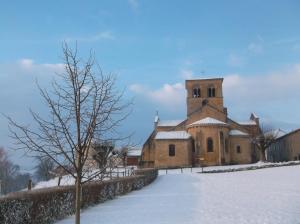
{"x":170,"y":123}
{"x":277,"y":133}
{"x":172,"y":135}
{"x":237,"y":133}
{"x":250,"y":122}
{"x":134,"y":152}
{"x":254,"y":115}
{"x":208,"y":121}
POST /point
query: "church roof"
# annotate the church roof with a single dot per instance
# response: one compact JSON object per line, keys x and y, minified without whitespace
{"x":254,"y":115}
{"x":250,"y":122}
{"x":172,"y":135}
{"x":170,"y":123}
{"x":237,"y":133}
{"x":134,"y":152}
{"x":208,"y":121}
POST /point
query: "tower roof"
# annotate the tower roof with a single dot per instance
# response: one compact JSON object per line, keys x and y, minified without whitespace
{"x":204,"y":79}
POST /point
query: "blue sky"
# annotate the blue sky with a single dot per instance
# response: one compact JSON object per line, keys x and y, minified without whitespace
{"x":153,"y":46}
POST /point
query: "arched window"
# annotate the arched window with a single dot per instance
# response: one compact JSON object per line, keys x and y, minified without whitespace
{"x":196,"y":92}
{"x":171,"y":150}
{"x":238,"y":149}
{"x":211,"y":92}
{"x":210,"y":145}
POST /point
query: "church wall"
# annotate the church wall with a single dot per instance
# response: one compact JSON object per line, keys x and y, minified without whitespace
{"x":237,"y":126}
{"x":170,"y":128}
{"x":207,"y":112}
{"x":148,"y":154}
{"x":183,"y":153}
{"x":245,"y":150}
{"x":253,"y":130}
{"x":201,"y":135}
{"x":180,"y":127}
{"x":226,"y":146}
{"x":164,"y":128}
{"x":196,"y":103}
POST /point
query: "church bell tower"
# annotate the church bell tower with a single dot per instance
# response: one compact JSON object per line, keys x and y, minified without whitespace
{"x":203,"y":91}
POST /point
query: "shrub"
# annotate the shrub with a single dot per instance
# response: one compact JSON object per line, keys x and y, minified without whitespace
{"x":50,"y":204}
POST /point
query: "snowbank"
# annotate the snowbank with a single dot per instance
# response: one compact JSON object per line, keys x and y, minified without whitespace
{"x":269,"y":196}
{"x":229,"y":168}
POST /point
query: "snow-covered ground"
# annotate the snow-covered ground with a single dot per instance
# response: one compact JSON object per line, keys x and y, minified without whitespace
{"x":257,"y":196}
{"x":69,"y":180}
{"x":228,"y":167}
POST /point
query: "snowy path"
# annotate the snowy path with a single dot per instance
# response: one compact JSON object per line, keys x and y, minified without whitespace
{"x":262,"y":196}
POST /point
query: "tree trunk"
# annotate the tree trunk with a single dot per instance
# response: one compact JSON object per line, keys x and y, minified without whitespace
{"x":78,"y":200}
{"x":262,"y":155}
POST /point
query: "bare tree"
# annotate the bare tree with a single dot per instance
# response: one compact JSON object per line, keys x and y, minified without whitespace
{"x":11,"y":179}
{"x":84,"y":107}
{"x":123,"y":155}
{"x":266,"y":137}
{"x":44,"y":168}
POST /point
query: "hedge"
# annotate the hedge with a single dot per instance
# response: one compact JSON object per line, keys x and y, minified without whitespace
{"x":51,"y":204}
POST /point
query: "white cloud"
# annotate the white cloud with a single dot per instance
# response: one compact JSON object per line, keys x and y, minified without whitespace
{"x":257,"y":92}
{"x":231,"y":81}
{"x":136,"y":88}
{"x":264,"y":89}
{"x":134,"y":5}
{"x":187,"y":74}
{"x":296,"y":47}
{"x":168,"y":96}
{"x":235,"y":60}
{"x":105,"y":35}
{"x":256,"y":48}
{"x":285,"y":41}
{"x":27,"y":65}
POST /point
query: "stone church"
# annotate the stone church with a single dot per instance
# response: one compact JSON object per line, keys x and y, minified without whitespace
{"x":206,"y":137}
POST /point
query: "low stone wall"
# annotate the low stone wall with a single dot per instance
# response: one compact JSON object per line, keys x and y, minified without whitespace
{"x":51,"y":204}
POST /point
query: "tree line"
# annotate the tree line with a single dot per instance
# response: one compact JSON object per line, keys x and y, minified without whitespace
{"x":11,"y":177}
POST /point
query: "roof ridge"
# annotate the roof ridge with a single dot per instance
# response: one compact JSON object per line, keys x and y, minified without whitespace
{"x":208,"y":121}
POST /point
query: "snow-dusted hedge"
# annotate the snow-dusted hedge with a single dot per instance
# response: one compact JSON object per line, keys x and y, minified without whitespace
{"x":50,"y":204}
